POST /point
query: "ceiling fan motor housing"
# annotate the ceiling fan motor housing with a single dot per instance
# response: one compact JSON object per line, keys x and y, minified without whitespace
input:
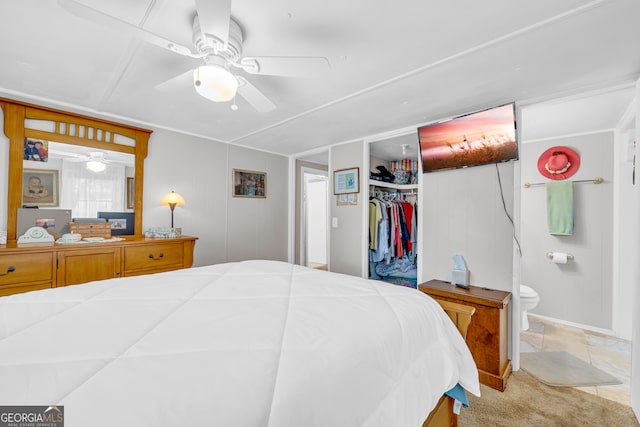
{"x":212,"y":45}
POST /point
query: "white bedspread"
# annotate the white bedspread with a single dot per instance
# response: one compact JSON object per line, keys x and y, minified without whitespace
{"x":255,"y":343}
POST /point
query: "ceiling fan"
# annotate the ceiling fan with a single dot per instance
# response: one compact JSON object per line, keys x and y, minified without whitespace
{"x":95,"y":161}
{"x":217,"y":40}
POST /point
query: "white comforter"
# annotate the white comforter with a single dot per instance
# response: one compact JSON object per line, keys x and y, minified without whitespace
{"x":255,"y":343}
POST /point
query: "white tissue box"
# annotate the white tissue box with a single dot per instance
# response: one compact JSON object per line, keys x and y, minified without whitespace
{"x":460,"y":277}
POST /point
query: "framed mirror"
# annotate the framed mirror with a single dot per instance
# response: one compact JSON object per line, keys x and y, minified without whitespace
{"x":50,"y":151}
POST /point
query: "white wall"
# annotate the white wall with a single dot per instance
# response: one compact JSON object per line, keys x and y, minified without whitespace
{"x":258,"y":228}
{"x":228,"y":228}
{"x":347,"y":241}
{"x":463,"y":214}
{"x":586,"y":282}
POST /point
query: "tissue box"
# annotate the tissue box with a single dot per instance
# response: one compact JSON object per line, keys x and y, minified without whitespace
{"x":460,"y":277}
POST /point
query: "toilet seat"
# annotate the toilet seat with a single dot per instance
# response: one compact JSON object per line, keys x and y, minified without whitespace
{"x":527,"y":292}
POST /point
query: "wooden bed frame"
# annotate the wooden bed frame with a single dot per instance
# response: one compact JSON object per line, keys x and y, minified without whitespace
{"x":442,"y":415}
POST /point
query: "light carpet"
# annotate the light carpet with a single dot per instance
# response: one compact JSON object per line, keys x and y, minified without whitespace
{"x":561,"y":369}
{"x":528,"y":402}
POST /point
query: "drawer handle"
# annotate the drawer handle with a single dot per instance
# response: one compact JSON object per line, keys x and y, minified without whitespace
{"x":154,"y":258}
{"x":11,"y":269}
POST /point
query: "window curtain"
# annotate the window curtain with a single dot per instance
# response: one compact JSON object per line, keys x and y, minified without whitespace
{"x":86,"y":193}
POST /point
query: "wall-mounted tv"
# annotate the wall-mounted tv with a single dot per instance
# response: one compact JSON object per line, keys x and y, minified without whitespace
{"x":479,"y":138}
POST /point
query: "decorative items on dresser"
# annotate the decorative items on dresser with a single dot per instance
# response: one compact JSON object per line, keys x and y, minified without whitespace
{"x":39,"y":266}
{"x":487,"y":335}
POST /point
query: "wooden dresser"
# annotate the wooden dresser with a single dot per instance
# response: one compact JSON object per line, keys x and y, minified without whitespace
{"x":488,"y":332}
{"x":30,"y":267}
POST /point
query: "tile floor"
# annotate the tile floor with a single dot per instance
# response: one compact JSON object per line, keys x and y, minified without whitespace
{"x":610,"y":354}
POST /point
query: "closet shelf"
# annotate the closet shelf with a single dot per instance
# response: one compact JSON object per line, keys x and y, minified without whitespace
{"x":394,"y":186}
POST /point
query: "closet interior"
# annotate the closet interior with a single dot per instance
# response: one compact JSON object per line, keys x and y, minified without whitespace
{"x":393,"y":210}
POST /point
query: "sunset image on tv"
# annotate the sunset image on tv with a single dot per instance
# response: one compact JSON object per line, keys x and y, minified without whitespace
{"x":480,"y":138}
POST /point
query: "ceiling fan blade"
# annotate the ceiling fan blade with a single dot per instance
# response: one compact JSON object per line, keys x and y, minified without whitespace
{"x":114,"y":23}
{"x":215,"y":16}
{"x":174,"y":84}
{"x":292,"y":66}
{"x":254,"y":97}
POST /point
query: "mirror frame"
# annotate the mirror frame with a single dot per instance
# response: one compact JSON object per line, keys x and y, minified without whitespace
{"x":70,"y":128}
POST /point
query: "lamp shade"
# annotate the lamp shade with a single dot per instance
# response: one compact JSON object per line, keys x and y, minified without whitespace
{"x":172,"y":198}
{"x":215,"y":83}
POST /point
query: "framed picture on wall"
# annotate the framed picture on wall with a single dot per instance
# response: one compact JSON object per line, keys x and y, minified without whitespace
{"x":36,"y":150}
{"x":346,"y":181}
{"x":249,"y":184}
{"x":40,"y":187}
{"x":131,"y":191}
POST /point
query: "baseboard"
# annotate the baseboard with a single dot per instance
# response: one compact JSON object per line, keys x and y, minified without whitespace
{"x":575,"y":325}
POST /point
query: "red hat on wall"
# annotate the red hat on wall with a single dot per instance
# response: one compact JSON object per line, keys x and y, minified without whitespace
{"x":559,"y":163}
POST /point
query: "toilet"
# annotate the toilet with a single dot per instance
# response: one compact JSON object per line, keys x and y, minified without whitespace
{"x":529,"y":298}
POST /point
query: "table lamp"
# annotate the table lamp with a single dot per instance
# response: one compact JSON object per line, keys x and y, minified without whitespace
{"x":172,"y":200}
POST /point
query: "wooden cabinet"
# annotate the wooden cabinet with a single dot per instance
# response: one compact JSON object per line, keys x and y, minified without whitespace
{"x":488,"y":332}
{"x":30,"y":267}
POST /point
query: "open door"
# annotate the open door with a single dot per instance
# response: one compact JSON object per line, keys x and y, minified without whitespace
{"x":313,"y":245}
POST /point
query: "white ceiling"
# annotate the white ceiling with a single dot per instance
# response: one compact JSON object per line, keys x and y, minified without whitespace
{"x":394,"y":65}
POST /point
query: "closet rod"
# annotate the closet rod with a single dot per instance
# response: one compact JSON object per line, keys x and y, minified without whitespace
{"x":596,"y":180}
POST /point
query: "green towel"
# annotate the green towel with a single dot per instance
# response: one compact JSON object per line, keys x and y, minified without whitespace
{"x":560,"y":207}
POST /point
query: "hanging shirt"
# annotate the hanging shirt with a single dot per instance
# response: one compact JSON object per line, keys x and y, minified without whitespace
{"x":375,"y":215}
{"x":407,"y":208}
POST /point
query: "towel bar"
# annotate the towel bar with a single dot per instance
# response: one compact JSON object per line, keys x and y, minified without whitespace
{"x":596,"y":180}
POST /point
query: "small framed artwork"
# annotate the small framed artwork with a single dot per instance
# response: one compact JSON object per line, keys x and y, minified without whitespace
{"x":36,"y":150}
{"x":346,"y":181}
{"x":40,"y":187}
{"x":131,"y":192}
{"x":122,"y":223}
{"x":249,"y":184}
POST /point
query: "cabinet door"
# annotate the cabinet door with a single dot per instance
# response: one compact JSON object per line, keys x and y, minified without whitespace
{"x":90,"y":264}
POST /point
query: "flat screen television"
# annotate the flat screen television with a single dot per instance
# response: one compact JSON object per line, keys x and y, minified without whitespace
{"x":122,"y":223}
{"x":479,"y":138}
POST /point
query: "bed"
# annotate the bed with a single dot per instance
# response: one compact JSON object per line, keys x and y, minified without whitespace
{"x":253,"y":343}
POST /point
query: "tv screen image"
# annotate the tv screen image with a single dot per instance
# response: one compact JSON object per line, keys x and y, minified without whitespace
{"x":480,"y":138}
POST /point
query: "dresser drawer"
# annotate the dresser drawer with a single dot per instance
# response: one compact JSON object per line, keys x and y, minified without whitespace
{"x":158,"y":256}
{"x":26,"y":268}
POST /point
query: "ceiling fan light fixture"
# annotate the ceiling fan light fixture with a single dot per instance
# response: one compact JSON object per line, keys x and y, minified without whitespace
{"x":96,"y":166}
{"x":215,"y":83}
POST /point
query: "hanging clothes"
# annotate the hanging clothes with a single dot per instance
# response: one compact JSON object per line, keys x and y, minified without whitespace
{"x":392,"y":239}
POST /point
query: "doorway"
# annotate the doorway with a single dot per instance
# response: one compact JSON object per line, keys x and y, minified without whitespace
{"x":313,"y":247}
